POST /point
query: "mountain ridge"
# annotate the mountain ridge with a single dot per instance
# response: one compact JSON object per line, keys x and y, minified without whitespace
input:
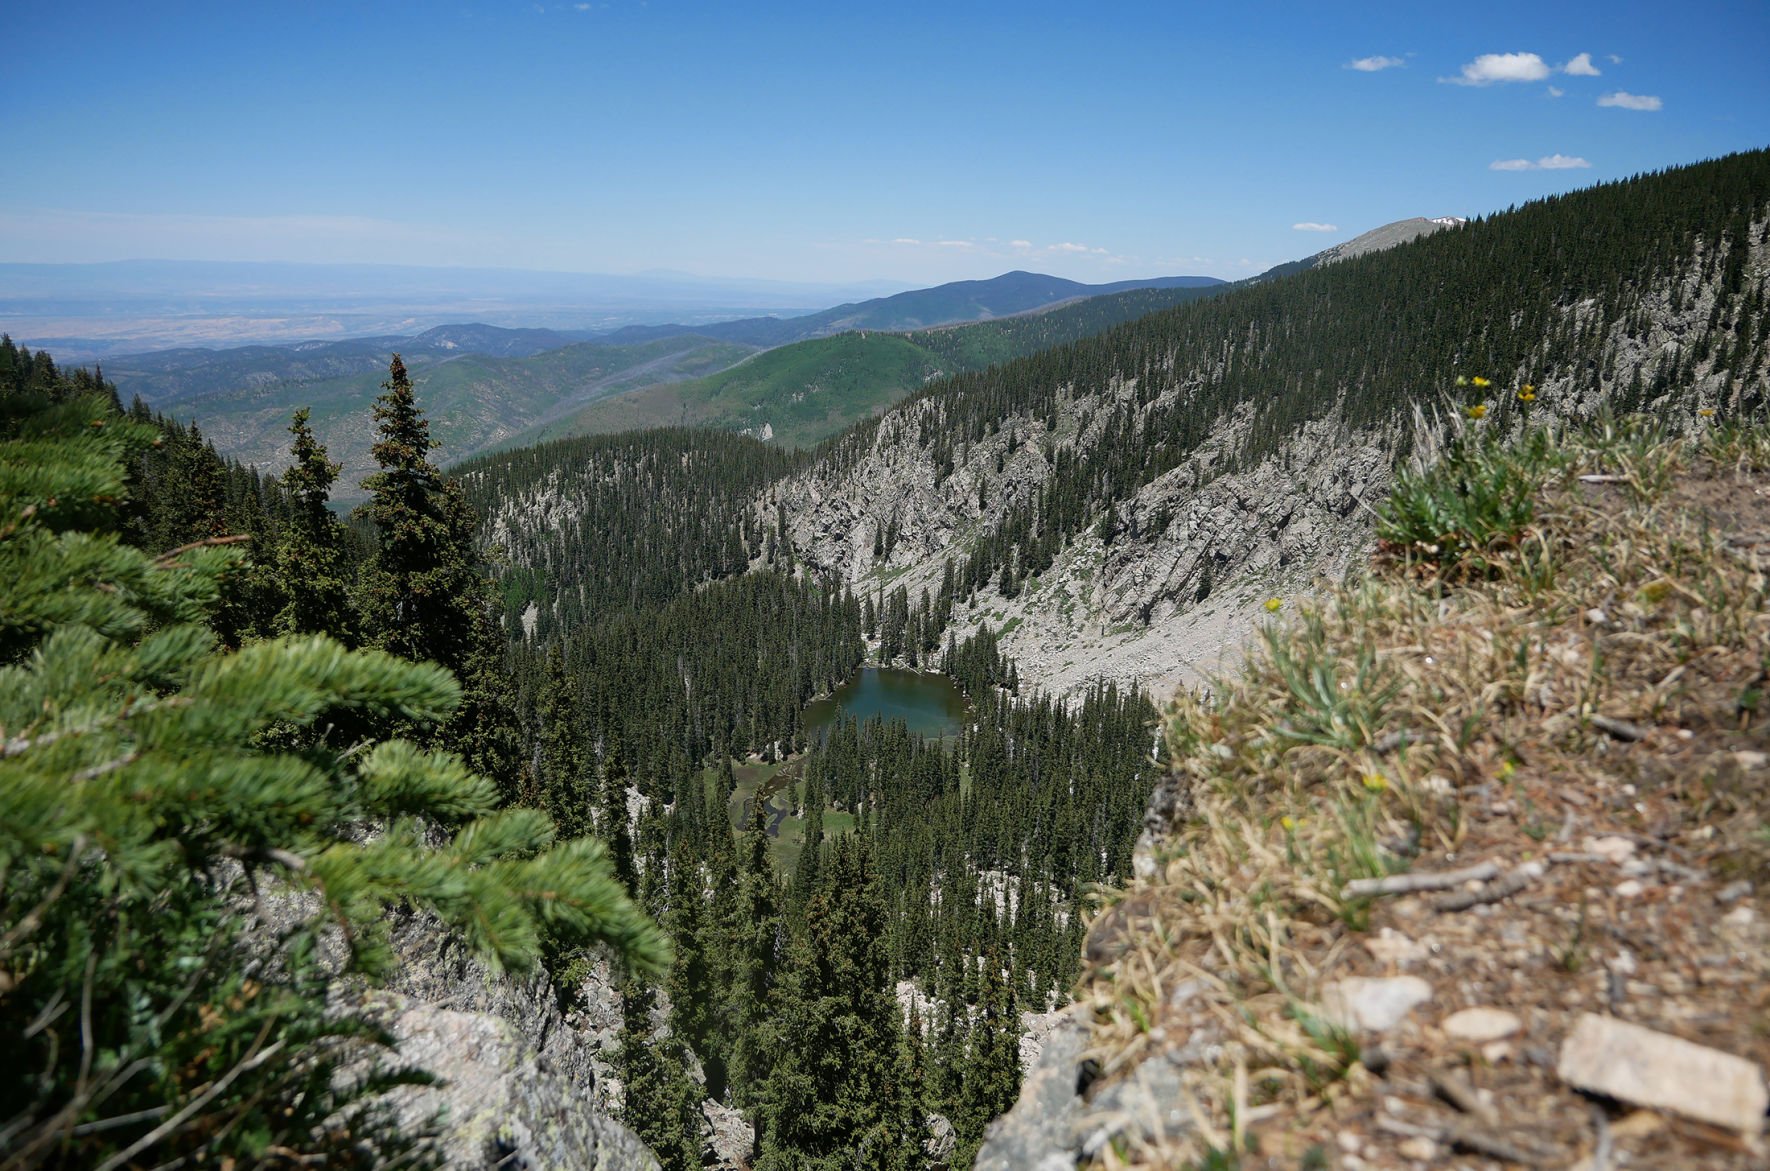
{"x":1013,"y":292}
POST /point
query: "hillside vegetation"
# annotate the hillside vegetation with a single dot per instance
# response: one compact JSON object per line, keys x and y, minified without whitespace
{"x":1152,"y":466}
{"x":478,"y":400}
{"x":813,"y":390}
{"x":1512,"y":778}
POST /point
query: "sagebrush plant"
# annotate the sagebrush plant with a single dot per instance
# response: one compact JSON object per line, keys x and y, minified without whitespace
{"x":156,"y":790}
{"x":1344,"y":746}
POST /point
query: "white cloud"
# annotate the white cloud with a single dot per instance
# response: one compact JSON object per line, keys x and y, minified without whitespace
{"x":1557,"y":92}
{"x":1066,"y":247}
{"x":1020,"y":243}
{"x":907,"y":240}
{"x":1491,"y":67}
{"x":1623,"y":99}
{"x":1375,"y":64}
{"x":1554,"y":162}
{"x":1581,"y":66}
{"x":957,"y":244}
{"x":1614,"y":59}
{"x":1312,"y":226}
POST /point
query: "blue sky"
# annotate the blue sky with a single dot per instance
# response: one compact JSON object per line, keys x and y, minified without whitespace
{"x":826,"y":142}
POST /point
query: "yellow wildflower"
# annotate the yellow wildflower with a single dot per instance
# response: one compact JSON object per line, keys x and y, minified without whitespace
{"x":1461,"y":381}
{"x":1476,"y":411}
{"x":1507,"y":768}
{"x":1480,"y":383}
{"x":1527,"y":394}
{"x":1273,"y":605}
{"x":1376,"y":782}
{"x":1706,"y":412}
{"x":1289,"y":823}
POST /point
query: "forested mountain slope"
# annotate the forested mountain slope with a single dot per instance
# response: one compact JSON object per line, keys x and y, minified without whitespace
{"x":810,"y":390}
{"x":1176,"y":467}
{"x":170,"y":378}
{"x":479,"y":400}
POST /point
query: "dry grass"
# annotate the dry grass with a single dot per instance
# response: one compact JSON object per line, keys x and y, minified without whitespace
{"x":1439,"y":714}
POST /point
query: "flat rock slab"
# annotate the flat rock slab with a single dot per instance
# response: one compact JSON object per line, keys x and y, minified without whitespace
{"x":1479,"y":1025}
{"x":1373,"y":1004}
{"x":1662,"y":1072}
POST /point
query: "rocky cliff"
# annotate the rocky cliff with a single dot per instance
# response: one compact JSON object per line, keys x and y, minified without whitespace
{"x":524,"y":1081}
{"x":1192,"y":557}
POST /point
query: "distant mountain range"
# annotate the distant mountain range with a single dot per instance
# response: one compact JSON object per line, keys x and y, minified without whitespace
{"x":488,"y":387}
{"x":1004,"y":296}
{"x":791,"y":379}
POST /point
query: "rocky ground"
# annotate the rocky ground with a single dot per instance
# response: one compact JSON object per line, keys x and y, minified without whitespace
{"x":1467,"y":869}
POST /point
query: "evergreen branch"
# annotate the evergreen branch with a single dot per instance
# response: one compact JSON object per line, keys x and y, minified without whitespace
{"x":19,"y":745}
{"x":165,"y":560}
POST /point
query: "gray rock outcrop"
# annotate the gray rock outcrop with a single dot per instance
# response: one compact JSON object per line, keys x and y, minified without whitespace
{"x":501,"y":1104}
{"x":1042,"y":1130}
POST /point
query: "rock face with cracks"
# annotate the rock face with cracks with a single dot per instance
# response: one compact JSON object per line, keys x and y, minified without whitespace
{"x":501,"y":1104}
{"x":524,"y":1084}
{"x":1159,"y":602}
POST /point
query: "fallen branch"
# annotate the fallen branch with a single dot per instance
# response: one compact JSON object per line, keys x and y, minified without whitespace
{"x":1618,"y":729}
{"x":1493,"y":892}
{"x":1469,"y":1138}
{"x":1603,"y":478}
{"x":1400,"y":884}
{"x":1459,"y":1093}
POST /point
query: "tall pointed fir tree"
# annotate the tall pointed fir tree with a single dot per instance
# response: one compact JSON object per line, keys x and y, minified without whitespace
{"x":659,"y":1100}
{"x":147,"y":1021}
{"x":832,"y":1099}
{"x":421,"y":583}
{"x":562,"y":765}
{"x":311,"y":570}
{"x":424,"y":594}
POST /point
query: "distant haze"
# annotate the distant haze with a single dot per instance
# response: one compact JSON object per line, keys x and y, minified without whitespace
{"x":85,"y":311}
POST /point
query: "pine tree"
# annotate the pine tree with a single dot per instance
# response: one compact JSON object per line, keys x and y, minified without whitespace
{"x":142,"y":801}
{"x":659,"y":1100}
{"x":748,"y":961}
{"x":992,"y":1068}
{"x":423,"y":595}
{"x":421,"y":581}
{"x":310,"y":568}
{"x":832,"y":1096}
{"x":561,"y":761}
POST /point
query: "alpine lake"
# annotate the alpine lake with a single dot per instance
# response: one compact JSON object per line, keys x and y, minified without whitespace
{"x":931,"y":705}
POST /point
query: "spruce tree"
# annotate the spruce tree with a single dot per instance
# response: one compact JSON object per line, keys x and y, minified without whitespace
{"x":832,"y":1098}
{"x":310,"y":564}
{"x":659,"y":1100}
{"x":421,"y":582}
{"x":424,"y":595}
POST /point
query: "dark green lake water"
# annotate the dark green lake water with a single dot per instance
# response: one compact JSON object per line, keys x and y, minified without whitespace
{"x":932,"y":705}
